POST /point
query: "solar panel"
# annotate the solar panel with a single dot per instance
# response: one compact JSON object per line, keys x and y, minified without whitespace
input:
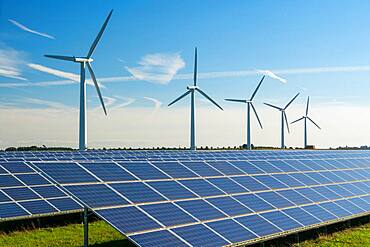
{"x":206,"y":198}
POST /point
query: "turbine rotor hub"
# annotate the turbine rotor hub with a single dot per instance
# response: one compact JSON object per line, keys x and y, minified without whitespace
{"x":192,"y":88}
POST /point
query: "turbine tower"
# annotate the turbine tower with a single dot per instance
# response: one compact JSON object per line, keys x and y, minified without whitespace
{"x":86,"y":62}
{"x":249,"y":105}
{"x":191,"y":90}
{"x":283,"y":119}
{"x":305,"y":118}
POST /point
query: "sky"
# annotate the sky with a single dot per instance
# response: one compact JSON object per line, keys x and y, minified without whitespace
{"x":145,"y":59}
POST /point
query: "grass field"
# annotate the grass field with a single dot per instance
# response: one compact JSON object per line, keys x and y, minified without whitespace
{"x":102,"y":235}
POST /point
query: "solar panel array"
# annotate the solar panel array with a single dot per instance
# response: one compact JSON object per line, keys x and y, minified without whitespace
{"x":210,"y":200}
{"x":24,"y":192}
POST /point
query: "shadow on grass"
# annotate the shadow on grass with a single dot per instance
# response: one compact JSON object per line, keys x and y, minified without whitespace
{"x":114,"y":243}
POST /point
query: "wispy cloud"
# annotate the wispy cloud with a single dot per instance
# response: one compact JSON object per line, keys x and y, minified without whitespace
{"x":206,"y":75}
{"x":10,"y":62}
{"x":126,"y":102}
{"x":272,"y":75}
{"x":41,"y":102}
{"x":158,"y":67}
{"x":67,"y":75}
{"x":27,"y":29}
{"x":157,"y":103}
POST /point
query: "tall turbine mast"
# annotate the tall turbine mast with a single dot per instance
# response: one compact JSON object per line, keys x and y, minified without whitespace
{"x":191,"y":90}
{"x":305,"y":118}
{"x":86,"y":62}
{"x":249,"y":105}
{"x":284,"y":119}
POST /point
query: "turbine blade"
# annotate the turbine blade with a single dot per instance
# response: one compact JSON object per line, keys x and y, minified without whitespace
{"x":182,"y":96}
{"x":97,"y":87}
{"x":67,"y":58}
{"x":286,"y":122}
{"x":195,"y":66}
{"x":308,"y":102}
{"x":273,"y":106}
{"x":255,"y":91}
{"x":297,"y":120}
{"x":255,"y":112}
{"x":209,"y":98}
{"x":291,"y":101}
{"x":314,"y":123}
{"x":237,"y":100}
{"x":93,"y":46}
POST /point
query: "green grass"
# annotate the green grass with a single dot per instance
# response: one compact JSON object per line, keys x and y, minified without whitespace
{"x":357,"y":236}
{"x":103,"y":235}
{"x":100,"y":235}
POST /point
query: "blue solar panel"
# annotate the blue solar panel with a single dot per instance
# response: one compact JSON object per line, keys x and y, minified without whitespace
{"x":65,"y":204}
{"x":172,"y":190}
{"x":270,"y":182}
{"x":201,"y":209}
{"x":3,"y":197}
{"x":335,"y":209}
{"x":231,"y":230}
{"x":159,"y":238}
{"x":128,"y":219}
{"x":67,"y":172}
{"x":225,"y":167}
{"x":311,"y":194}
{"x":250,"y":183}
{"x":168,"y":214}
{"x":202,"y":169}
{"x":319,"y":212}
{"x":32,"y":179}
{"x":265,"y":166}
{"x":201,"y":187}
{"x":8,"y":181}
{"x":96,"y":195}
{"x":302,"y":216}
{"x":199,"y":235}
{"x":108,"y":171}
{"x":48,"y":191}
{"x":247,"y":167}
{"x":137,"y":192}
{"x":294,"y":196}
{"x":21,"y":193}
{"x":227,"y":185}
{"x":175,"y":169}
{"x":281,"y":220}
{"x":253,"y":202}
{"x":38,"y":207}
{"x":275,"y":199}
{"x":349,"y":206}
{"x":8,"y":210}
{"x":229,"y":206}
{"x":144,"y":170}
{"x":258,"y":225}
{"x":16,"y":167}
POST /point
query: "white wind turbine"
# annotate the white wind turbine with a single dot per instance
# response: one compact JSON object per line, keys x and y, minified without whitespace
{"x":191,"y":90}
{"x":305,"y":117}
{"x":86,"y":62}
{"x":249,"y":105}
{"x":283,"y":119}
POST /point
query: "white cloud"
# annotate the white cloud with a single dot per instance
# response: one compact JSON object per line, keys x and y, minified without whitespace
{"x":157,"y":103}
{"x":24,"y":28}
{"x":10,"y":63}
{"x":46,"y":103}
{"x":126,"y":102}
{"x":158,"y":67}
{"x":67,"y":75}
{"x":204,"y":75}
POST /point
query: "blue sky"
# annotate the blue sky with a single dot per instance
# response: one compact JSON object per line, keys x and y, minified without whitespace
{"x":287,"y":37}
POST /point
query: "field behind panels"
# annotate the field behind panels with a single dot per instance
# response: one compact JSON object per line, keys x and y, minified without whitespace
{"x":187,"y":198}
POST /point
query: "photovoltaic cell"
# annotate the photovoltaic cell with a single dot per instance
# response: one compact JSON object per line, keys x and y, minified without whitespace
{"x":201,"y":209}
{"x":229,"y":206}
{"x":201,"y":187}
{"x":138,"y":192}
{"x":231,"y":230}
{"x":172,"y":190}
{"x":159,"y":238}
{"x":258,"y":225}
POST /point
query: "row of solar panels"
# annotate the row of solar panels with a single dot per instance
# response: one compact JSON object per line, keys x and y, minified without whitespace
{"x":25,"y":192}
{"x":175,"y":155}
{"x":217,"y":203}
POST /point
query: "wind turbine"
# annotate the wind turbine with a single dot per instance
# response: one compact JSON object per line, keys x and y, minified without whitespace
{"x":191,"y":90}
{"x":249,"y":104}
{"x":305,"y":118}
{"x":86,"y":62}
{"x":283,"y":118}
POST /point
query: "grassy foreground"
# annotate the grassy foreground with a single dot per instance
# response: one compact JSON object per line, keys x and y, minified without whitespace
{"x":100,"y":235}
{"x":357,"y":236}
{"x":103,"y":235}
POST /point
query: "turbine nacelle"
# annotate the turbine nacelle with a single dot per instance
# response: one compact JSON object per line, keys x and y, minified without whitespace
{"x":83,"y":59}
{"x":192,"y":88}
